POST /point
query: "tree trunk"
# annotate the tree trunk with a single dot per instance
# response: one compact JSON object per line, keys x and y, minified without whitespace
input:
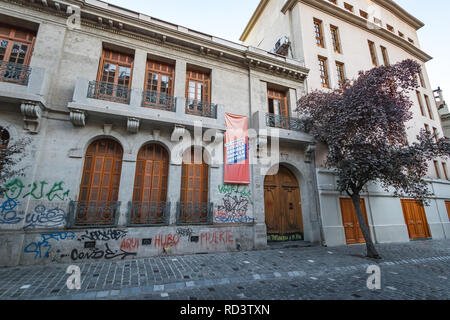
{"x":371,"y":250}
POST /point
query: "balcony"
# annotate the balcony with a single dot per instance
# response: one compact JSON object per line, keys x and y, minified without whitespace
{"x":201,"y":108}
{"x":14,"y":73}
{"x":108,"y":92}
{"x":194,"y":213}
{"x":155,"y":100}
{"x":21,"y":83}
{"x":290,"y":129}
{"x":148,"y":214}
{"x":96,"y":214}
{"x":105,"y":101}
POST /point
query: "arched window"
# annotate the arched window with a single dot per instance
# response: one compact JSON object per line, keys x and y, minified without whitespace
{"x":149,"y":205}
{"x":194,"y":207}
{"x":99,"y":190}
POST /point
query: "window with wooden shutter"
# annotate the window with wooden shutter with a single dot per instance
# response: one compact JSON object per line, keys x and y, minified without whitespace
{"x":419,"y":99}
{"x":385,"y":56}
{"x":159,"y":85}
{"x":335,"y":38}
{"x":340,"y":73}
{"x":427,"y":102}
{"x":99,"y":190}
{"x":150,"y":185}
{"x":194,"y":188}
{"x":278,"y":109}
{"x":447,"y":204}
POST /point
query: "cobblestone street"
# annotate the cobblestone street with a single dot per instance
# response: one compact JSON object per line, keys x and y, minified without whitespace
{"x":415,"y":270}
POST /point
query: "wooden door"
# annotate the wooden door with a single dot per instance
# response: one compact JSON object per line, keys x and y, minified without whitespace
{"x":194,"y":188}
{"x":99,"y":190}
{"x":150,"y":185}
{"x":278,"y":109}
{"x":197,"y":92}
{"x":416,"y":219}
{"x":102,"y":169}
{"x":283,"y":206}
{"x":353,"y":232}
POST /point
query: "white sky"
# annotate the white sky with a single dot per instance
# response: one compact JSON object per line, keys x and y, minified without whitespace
{"x":227,"y":19}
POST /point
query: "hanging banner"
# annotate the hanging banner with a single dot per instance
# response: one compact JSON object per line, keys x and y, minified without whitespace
{"x":237,"y":169}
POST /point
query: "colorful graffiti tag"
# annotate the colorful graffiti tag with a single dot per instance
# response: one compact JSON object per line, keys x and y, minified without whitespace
{"x":234,"y":206}
{"x":16,"y":189}
{"x":42,"y":248}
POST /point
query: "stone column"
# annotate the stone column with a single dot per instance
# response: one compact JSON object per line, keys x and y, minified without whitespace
{"x":138,"y":80}
{"x":126,"y":186}
{"x":174,"y":190}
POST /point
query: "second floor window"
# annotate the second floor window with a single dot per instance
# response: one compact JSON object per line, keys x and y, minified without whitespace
{"x":16,"y":45}
{"x":335,"y":38}
{"x":198,"y":92}
{"x":159,"y":85}
{"x":427,"y":102}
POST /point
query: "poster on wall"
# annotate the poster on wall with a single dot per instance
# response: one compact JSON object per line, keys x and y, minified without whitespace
{"x":237,"y":169}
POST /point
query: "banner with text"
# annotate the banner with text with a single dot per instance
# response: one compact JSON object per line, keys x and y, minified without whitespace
{"x":237,"y":169}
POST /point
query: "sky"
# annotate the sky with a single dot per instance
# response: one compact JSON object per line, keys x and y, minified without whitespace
{"x":227,"y":19}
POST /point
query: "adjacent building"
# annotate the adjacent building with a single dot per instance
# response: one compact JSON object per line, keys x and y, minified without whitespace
{"x":336,"y":39}
{"x":125,"y":115}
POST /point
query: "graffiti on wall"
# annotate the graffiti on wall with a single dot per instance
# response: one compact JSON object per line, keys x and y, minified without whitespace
{"x":167,"y":241}
{"x":40,"y":217}
{"x":185,"y":232}
{"x":96,"y":254}
{"x":16,"y":189}
{"x":43,"y":247}
{"x":215,"y":238}
{"x":234,"y":206}
{"x":129,"y":244}
{"x":103,"y":235}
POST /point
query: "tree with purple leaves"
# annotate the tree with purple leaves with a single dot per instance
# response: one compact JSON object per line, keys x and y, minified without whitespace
{"x":363,"y":124}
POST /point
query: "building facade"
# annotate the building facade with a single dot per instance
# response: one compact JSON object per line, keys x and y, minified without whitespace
{"x":336,"y":39}
{"x":125,"y":117}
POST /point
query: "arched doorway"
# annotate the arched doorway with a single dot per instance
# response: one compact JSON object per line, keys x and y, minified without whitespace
{"x":283,"y":208}
{"x":150,"y":186}
{"x":194,"y":206}
{"x":99,"y":190}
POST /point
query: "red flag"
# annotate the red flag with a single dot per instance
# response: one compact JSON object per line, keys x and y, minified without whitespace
{"x":237,"y":169}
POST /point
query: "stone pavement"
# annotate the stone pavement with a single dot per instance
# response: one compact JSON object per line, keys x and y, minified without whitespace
{"x":415,"y":270}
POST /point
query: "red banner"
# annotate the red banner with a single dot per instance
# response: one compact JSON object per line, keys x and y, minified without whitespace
{"x":237,"y":169}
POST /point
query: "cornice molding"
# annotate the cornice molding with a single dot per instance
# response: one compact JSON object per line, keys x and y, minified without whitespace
{"x":363,"y":24}
{"x":132,"y":26}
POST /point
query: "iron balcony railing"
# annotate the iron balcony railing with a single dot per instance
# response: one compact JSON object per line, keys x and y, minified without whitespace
{"x":155,"y":100}
{"x":283,"y":122}
{"x":201,"y":108}
{"x":194,"y":213}
{"x":141,"y":214}
{"x":15,"y":73}
{"x":96,"y":214}
{"x":109,"y":92}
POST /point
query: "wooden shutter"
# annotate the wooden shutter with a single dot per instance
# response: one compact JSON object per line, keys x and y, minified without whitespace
{"x":102,"y":170}
{"x":152,"y":171}
{"x":198,"y":86}
{"x":447,"y":204}
{"x":194,"y":182}
{"x":353,"y":232}
{"x":118,"y":60}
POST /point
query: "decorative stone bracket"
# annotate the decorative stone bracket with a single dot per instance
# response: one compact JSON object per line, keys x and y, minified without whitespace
{"x":310,"y":150}
{"x":32,"y":113}
{"x":78,"y":118}
{"x":133,"y":125}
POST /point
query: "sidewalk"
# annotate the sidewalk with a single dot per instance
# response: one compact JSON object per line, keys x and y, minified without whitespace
{"x":132,"y":278}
